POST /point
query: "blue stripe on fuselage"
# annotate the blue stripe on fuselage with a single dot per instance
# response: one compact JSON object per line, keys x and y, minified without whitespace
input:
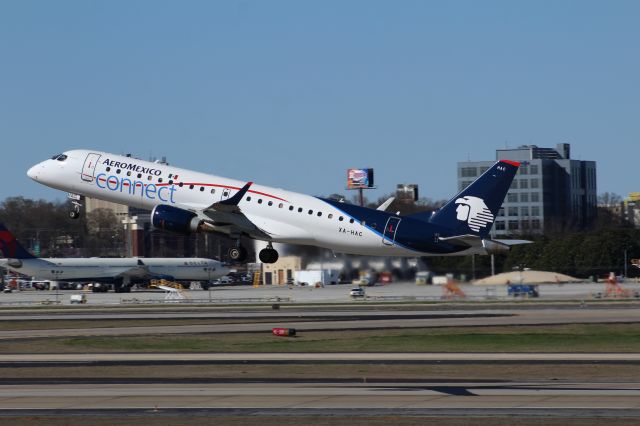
{"x":412,"y":234}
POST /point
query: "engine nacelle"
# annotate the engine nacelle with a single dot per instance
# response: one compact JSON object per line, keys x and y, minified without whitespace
{"x":173,"y":219}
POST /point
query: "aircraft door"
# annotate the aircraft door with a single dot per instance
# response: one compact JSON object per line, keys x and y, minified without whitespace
{"x":89,"y":167}
{"x":390,"y":229}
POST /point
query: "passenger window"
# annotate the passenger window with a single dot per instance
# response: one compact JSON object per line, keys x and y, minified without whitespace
{"x":299,"y":209}
{"x":259,"y":200}
{"x":170,"y":182}
{"x":180,"y":184}
{"x":202,"y":189}
{"x":139,"y":175}
{"x":191,"y":186}
{"x":225,"y":193}
{"x":290,"y":208}
{"x":109,"y":169}
{"x":129,"y":173}
{"x":118,"y":171}
{"x":330,"y":216}
{"x":340,"y":218}
{"x":319,"y":214}
{"x":270,"y":203}
{"x":159,"y":180}
{"x":351,"y":221}
{"x":149,"y":177}
{"x":310,"y":211}
{"x":280,"y":205}
{"x":213,"y":190}
{"x":248,"y":198}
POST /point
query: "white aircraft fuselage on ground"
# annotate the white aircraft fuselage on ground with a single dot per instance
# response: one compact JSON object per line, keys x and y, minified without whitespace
{"x":120,"y":271}
{"x":186,"y":201}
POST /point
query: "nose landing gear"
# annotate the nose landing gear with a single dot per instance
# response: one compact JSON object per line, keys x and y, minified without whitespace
{"x":76,"y":205}
{"x":269,"y":254}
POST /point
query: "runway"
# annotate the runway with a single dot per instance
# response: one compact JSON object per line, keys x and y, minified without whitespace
{"x":543,"y":398}
{"x":349,"y":320}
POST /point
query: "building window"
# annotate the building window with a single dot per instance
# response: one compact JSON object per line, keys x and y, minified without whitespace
{"x":533,"y":169}
{"x":468,"y":172}
{"x":500,"y":225}
{"x":501,"y":211}
{"x":513,"y":225}
{"x":512,"y":197}
{"x":513,"y":211}
{"x":524,"y":211}
{"x":535,"y":183}
{"x":535,"y":224}
{"x":524,"y":184}
{"x":524,"y":197}
{"x":524,"y":170}
{"x":535,"y":211}
{"x":535,"y":197}
{"x":483,"y":169}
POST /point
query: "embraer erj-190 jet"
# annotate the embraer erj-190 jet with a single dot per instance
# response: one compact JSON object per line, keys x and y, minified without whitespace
{"x":185,"y":201}
{"x":122,"y":272}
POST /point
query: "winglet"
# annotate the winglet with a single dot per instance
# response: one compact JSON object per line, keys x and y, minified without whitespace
{"x":233,"y":201}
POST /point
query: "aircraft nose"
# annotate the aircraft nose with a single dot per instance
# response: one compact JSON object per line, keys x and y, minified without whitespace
{"x":33,"y":171}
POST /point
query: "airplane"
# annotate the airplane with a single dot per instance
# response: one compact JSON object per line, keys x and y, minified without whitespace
{"x":186,"y":201}
{"x":119,"y":271}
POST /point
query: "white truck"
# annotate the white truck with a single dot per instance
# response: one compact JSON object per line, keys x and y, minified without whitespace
{"x":313,"y":277}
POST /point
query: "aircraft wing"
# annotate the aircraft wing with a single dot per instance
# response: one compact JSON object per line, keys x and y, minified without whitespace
{"x":491,"y":246}
{"x":227,"y":217}
{"x":139,"y":271}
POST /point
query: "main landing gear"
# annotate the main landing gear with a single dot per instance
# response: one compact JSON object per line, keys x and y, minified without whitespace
{"x":268,"y":255}
{"x":237,"y":253}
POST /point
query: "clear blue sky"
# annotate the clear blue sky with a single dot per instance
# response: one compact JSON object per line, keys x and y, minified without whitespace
{"x":291,"y":93}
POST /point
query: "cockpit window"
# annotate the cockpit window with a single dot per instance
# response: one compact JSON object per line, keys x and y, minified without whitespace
{"x":59,"y":157}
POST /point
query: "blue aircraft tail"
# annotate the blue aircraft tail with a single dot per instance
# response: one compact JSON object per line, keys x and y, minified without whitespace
{"x":474,"y":209}
{"x":10,"y":247}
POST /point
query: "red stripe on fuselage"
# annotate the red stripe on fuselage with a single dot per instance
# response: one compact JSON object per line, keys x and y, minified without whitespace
{"x":205,"y":184}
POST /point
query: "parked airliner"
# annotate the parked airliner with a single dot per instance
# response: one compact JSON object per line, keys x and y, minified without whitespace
{"x":119,"y":271}
{"x":186,"y":201}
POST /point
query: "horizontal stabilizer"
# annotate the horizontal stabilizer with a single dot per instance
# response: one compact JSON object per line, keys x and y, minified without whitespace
{"x":386,"y":204}
{"x":467,"y":240}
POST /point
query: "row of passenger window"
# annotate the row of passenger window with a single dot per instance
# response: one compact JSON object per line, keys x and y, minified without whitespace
{"x":181,"y":184}
{"x":300,"y":210}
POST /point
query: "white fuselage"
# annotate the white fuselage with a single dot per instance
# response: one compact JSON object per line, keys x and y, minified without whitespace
{"x":284,"y":216}
{"x":70,"y":269}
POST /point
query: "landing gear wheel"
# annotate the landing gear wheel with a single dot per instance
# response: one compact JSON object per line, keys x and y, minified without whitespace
{"x":268,"y":255}
{"x":237,"y":254}
{"x":73,"y":214}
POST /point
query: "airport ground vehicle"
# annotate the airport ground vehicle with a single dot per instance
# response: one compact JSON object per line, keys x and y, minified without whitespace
{"x":356,"y":292}
{"x":522,"y":290}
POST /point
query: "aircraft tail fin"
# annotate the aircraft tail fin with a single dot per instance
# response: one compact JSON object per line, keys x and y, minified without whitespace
{"x":10,"y":247}
{"x":474,"y":209}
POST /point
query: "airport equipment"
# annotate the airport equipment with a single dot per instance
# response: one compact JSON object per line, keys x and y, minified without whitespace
{"x":284,"y":332}
{"x":522,"y":290}
{"x":614,"y":289}
{"x":451,"y":290}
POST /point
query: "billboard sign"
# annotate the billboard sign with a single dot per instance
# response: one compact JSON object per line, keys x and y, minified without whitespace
{"x":359,"y":178}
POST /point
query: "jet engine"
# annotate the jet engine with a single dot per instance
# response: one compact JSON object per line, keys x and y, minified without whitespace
{"x":173,"y":219}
